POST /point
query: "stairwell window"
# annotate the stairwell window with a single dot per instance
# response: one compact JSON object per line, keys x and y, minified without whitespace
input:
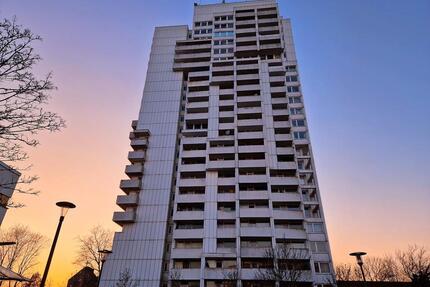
{"x":300,"y":135}
{"x":322,"y":267}
{"x":292,"y":89}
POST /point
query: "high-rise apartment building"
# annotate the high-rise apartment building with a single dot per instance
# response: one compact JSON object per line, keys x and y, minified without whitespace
{"x":221,"y":173}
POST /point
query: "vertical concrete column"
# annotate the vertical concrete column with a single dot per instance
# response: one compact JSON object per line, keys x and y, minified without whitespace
{"x":210,"y":213}
{"x":266,"y":106}
{"x":213,"y":112}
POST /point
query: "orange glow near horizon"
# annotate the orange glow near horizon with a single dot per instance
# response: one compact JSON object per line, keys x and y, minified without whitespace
{"x":370,"y":130}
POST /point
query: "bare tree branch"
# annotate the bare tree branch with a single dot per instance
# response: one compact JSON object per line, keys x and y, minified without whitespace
{"x":98,"y":238}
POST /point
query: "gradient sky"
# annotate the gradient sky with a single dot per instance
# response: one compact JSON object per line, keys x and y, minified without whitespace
{"x":366,"y":81}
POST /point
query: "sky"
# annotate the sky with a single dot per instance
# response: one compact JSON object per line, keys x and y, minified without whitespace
{"x":364,"y":68}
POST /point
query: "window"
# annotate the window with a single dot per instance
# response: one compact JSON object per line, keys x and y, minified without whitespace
{"x":296,"y":111}
{"x":299,"y":135}
{"x":298,"y":123}
{"x":315,"y":227}
{"x":224,"y":34}
{"x":224,"y":25}
{"x":318,"y":246}
{"x":223,"y":42}
{"x":203,"y":23}
{"x":294,"y":100}
{"x":290,"y":68}
{"x":223,"y":51}
{"x":322,"y":267}
{"x":291,"y":78}
{"x":292,"y":89}
{"x":224,"y":18}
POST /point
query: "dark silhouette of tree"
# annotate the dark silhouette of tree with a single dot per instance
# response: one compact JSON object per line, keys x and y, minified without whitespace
{"x":286,"y":265}
{"x":35,"y":281}
{"x":415,"y":264}
{"x":98,"y":238}
{"x":23,"y":97}
{"x":231,"y":277}
{"x":125,"y":280}
{"x":22,"y":256}
{"x":174,"y":278}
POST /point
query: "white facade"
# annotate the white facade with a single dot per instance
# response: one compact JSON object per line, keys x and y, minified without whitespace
{"x":221,"y":168}
{"x":8,"y":179}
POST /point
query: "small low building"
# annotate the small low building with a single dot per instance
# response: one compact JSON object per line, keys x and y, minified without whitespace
{"x":8,"y":180}
{"x":84,"y":278}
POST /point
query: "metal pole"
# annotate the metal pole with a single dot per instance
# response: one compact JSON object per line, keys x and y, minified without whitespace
{"x":362,"y":272}
{"x":51,"y":253}
{"x":101,"y":271}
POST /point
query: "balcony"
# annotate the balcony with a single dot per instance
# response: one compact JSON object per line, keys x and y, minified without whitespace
{"x":253,"y":194}
{"x":226,"y":232}
{"x":245,"y":99}
{"x":222,"y":79}
{"x":252,"y":163}
{"x":136,"y":156}
{"x":177,"y":67}
{"x":128,"y":185}
{"x":286,"y":196}
{"x":192,"y":167}
{"x":248,"y":48}
{"x":253,"y":251}
{"x":255,"y":212}
{"x":252,"y":178}
{"x":280,"y":112}
{"x":134,"y":169}
{"x":181,"y":198}
{"x":220,"y":164}
{"x":284,"y":150}
{"x":251,"y":148}
{"x":282,"y":124}
{"x":278,"y":89}
{"x":125,"y":201}
{"x":247,"y":77}
{"x":198,"y":47}
{"x":289,"y":233}
{"x":182,"y":253}
{"x":184,"y":182}
{"x":139,"y":143}
{"x":188,"y":274}
{"x":192,"y":57}
{"x":251,"y":135}
{"x":124,"y":217}
{"x":250,"y":122}
{"x":287,"y":165}
{"x":288,"y":214}
{"x":187,"y":233}
{"x":247,"y":67}
{"x":226,"y":214}
{"x":222,"y":149}
{"x":188,"y":215}
{"x":283,"y":137}
{"x":255,"y":231}
{"x":284,"y":180}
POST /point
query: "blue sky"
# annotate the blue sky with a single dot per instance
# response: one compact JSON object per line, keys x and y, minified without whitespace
{"x":365,"y":73}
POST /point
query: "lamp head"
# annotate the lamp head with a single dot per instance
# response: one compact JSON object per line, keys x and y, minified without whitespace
{"x":358,"y":256}
{"x":104,"y":254}
{"x":65,"y":206}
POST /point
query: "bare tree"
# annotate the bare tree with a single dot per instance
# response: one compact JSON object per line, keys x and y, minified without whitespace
{"x":345,"y":272}
{"x":22,"y":256}
{"x":35,"y":280}
{"x":415,"y":264}
{"x":380,"y":269}
{"x":231,"y":277}
{"x":98,"y":238}
{"x":286,"y":265}
{"x":23,"y":96}
{"x":174,"y":278}
{"x":125,"y":280}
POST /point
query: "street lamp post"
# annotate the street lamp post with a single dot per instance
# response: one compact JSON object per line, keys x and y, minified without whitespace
{"x":104,"y":254}
{"x":65,"y":206}
{"x":358,"y":256}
